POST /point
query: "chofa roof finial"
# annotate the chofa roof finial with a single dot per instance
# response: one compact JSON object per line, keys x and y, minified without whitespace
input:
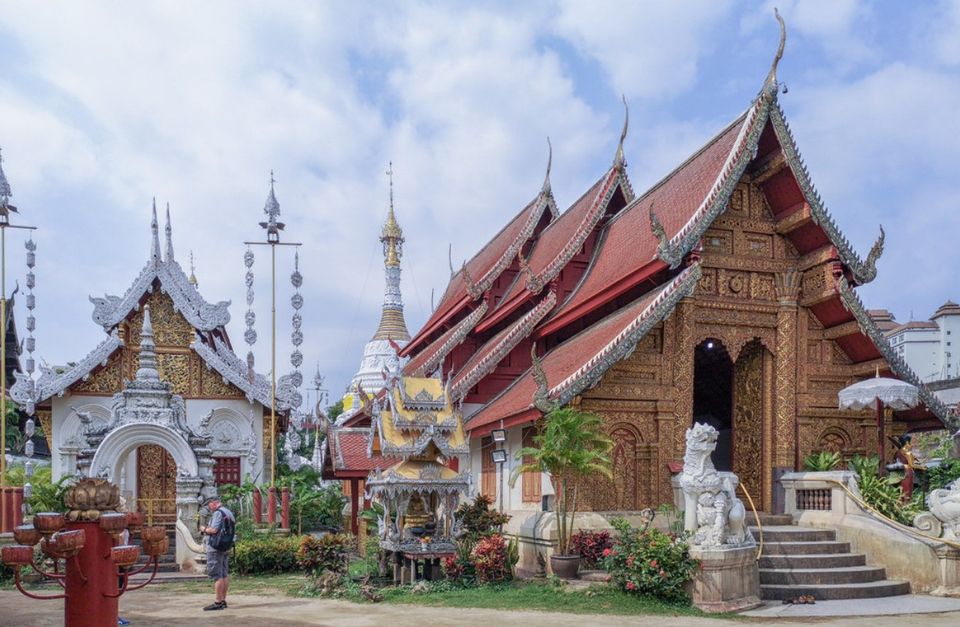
{"x":155,"y":234}
{"x":770,"y":85}
{"x":169,"y":233}
{"x":619,"y":161}
{"x":546,"y":178}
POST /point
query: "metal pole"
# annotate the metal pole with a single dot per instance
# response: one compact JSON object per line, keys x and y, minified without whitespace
{"x":882,"y":469}
{"x":273,"y":365}
{"x":3,"y":377}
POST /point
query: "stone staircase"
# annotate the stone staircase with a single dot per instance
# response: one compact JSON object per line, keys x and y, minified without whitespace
{"x":807,"y":561}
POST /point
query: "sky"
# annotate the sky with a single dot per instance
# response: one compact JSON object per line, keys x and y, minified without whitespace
{"x":106,"y":105}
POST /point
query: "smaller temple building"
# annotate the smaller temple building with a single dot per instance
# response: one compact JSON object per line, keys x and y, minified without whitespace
{"x":162,"y":407}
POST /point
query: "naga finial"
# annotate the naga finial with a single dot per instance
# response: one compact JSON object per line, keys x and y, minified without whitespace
{"x":450,"y":258}
{"x":666,"y":251}
{"x":546,"y":179}
{"x":870,"y":265}
{"x":770,"y":85}
{"x":541,"y":398}
{"x":472,"y":288}
{"x":619,"y":161}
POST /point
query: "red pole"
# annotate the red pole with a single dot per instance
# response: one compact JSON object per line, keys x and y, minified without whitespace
{"x":272,"y":505}
{"x":284,"y":507}
{"x":257,"y":505}
{"x":17,"y":507}
{"x":354,"y":505}
{"x":883,"y":466}
{"x":86,"y":604}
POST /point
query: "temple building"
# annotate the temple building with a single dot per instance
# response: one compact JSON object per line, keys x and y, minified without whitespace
{"x":162,"y":406}
{"x":380,"y":353}
{"x":723,"y":294}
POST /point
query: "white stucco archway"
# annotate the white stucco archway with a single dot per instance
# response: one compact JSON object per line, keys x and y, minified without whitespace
{"x":122,"y":440}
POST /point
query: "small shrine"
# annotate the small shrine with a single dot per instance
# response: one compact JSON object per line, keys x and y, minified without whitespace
{"x":417,"y":422}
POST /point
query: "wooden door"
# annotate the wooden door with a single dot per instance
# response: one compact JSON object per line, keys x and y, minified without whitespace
{"x":156,"y":484}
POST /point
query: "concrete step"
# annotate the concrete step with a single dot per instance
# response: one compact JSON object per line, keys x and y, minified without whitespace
{"x":836,"y":592}
{"x":821,"y":576}
{"x":805,"y":548}
{"x":784,"y":533}
{"x":771,"y":519}
{"x":814,"y":560}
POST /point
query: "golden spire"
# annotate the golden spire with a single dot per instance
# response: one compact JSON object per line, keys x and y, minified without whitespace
{"x":391,"y":235}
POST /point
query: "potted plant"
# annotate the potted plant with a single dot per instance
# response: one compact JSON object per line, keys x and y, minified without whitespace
{"x":571,"y":447}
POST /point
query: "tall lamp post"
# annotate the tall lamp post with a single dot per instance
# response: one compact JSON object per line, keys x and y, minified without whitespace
{"x":273,"y":227}
{"x":5,"y":209}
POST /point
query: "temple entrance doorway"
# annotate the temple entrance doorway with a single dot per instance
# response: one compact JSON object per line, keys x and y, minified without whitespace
{"x":732,"y":397}
{"x":713,"y":396}
{"x":156,"y":484}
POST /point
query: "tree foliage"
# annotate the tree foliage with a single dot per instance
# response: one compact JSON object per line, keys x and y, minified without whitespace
{"x":571,"y":447}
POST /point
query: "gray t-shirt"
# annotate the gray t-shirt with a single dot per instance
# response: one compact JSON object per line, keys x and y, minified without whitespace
{"x":216,"y":520}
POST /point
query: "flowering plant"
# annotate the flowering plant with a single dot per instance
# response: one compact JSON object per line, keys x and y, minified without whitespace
{"x":589,"y":545}
{"x":490,"y":559}
{"x":649,"y":562}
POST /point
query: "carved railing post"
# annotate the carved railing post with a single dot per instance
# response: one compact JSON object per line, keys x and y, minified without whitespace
{"x":785,"y":392}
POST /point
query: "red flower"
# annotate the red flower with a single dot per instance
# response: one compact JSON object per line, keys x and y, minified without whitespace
{"x":653,"y":563}
{"x":663,"y":573}
{"x":607,"y":552}
{"x":630,"y":560}
{"x":631,"y":586}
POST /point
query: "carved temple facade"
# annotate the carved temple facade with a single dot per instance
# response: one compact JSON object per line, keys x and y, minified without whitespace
{"x":724,"y":294}
{"x":221,"y":432}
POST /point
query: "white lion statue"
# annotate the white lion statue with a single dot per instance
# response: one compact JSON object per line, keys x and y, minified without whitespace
{"x":713,"y":515}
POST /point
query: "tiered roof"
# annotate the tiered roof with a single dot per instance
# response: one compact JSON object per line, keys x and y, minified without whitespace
{"x":208,"y":320}
{"x":643,"y":260}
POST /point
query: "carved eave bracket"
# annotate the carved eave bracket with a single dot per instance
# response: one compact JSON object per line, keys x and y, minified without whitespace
{"x":533,"y":282}
{"x":541,"y":398}
{"x":472,"y":289}
{"x":666,"y":251}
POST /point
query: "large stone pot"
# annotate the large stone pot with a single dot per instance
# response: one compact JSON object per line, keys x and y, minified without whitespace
{"x":565,"y":566}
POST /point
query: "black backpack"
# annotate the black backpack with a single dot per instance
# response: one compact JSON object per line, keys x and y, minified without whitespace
{"x":224,"y":539}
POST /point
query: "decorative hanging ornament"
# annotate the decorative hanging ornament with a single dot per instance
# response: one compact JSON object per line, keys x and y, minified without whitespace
{"x":250,"y":318}
{"x":296,"y":334}
{"x":30,"y":407}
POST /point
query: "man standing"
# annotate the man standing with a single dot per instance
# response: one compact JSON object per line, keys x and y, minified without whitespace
{"x":219,"y":540}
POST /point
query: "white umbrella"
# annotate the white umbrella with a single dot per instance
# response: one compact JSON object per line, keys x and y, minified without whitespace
{"x":879,"y":392}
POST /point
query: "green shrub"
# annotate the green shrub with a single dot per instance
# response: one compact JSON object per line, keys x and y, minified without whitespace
{"x":491,"y":559}
{"x":479,"y":518}
{"x":272,"y":554}
{"x":649,"y":562}
{"x":883,"y":493}
{"x":329,"y":553}
{"x":822,"y":461}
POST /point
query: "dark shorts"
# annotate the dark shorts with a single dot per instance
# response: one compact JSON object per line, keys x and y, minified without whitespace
{"x":218,"y":563}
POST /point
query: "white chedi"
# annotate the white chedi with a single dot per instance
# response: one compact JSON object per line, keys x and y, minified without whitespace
{"x":713,"y":515}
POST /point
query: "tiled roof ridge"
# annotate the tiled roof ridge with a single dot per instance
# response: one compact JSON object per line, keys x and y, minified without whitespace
{"x":625,"y":342}
{"x":672,"y":251}
{"x":899,"y":366}
{"x":463,"y":329}
{"x":544,"y":201}
{"x":536,"y":283}
{"x":520,"y":329}
{"x":863,"y":271}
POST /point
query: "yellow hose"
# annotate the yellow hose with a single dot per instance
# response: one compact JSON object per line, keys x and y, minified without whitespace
{"x":756,"y":516}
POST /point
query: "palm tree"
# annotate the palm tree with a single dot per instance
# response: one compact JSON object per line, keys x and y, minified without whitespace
{"x":571,"y":447}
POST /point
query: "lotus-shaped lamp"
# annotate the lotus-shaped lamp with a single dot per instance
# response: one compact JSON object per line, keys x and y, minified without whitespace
{"x":16,"y":555}
{"x":113,"y":522}
{"x":48,"y":522}
{"x":153,"y":534}
{"x":125,"y":555}
{"x":134,"y":521}
{"x":156,"y":548}
{"x":26,"y":534}
{"x":65,"y":544}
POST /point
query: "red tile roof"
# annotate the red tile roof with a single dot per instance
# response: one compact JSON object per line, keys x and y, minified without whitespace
{"x":489,"y":262}
{"x":348,"y":451}
{"x":629,"y":243}
{"x":429,"y":358}
{"x":576,"y":357}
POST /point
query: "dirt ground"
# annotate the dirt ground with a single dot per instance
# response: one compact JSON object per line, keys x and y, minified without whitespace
{"x":156,"y":607}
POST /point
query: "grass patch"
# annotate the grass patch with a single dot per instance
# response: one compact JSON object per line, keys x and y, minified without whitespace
{"x":523,"y":595}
